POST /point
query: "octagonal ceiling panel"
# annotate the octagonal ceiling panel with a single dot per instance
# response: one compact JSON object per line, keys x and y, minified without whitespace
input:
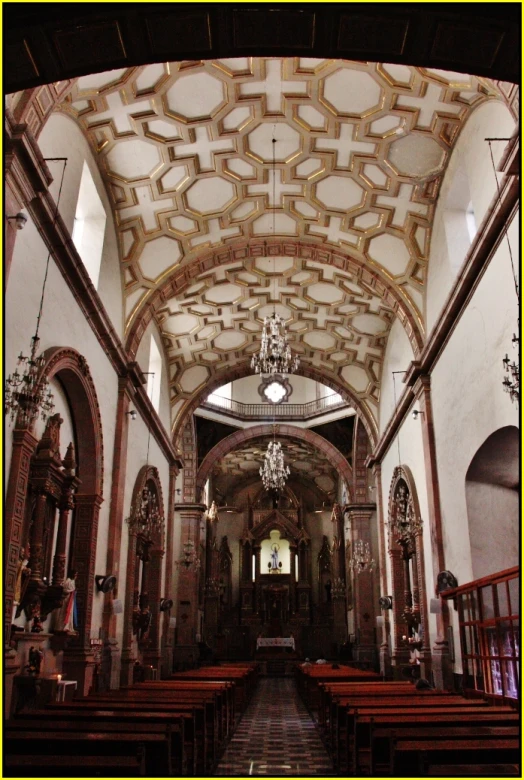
{"x":186,"y":151}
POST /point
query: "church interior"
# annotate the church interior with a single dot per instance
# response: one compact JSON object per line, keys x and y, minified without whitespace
{"x":261,"y":366}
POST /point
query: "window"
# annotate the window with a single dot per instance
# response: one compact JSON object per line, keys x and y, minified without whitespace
{"x":221,"y":396}
{"x":155,"y":374}
{"x":89,"y":226}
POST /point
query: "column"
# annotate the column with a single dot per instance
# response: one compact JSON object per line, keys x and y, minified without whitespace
{"x":365,"y":608}
{"x":384,"y":652}
{"x":189,"y":516}
{"x":441,"y":662}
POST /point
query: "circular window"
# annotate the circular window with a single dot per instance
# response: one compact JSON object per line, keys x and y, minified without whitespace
{"x":275,"y":389}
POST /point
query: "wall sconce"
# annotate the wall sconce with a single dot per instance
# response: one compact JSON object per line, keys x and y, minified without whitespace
{"x":415,"y":413}
{"x":132,"y":414}
{"x":20,"y":220}
{"x":105,"y":584}
{"x":385,"y":602}
{"x":165,"y":605}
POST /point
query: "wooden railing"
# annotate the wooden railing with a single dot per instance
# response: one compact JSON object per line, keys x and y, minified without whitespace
{"x":490,"y":634}
{"x":279,"y":411}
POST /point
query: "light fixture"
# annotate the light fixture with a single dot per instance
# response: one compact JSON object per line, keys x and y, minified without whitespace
{"x":274,"y":472}
{"x":20,"y":220}
{"x":105,"y":583}
{"x":275,"y":355}
{"x":361,"y":560}
{"x":190,"y":558}
{"x":512,"y":385}
{"x":27,"y":393}
{"x":415,"y":413}
{"x":132,"y":414}
{"x":165,"y":605}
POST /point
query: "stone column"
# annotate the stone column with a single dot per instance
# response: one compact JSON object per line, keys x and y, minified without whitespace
{"x":365,"y":609}
{"x":189,"y":516}
{"x":441,"y":662}
{"x":338,"y":591}
{"x":167,"y":631}
{"x":384,"y":651}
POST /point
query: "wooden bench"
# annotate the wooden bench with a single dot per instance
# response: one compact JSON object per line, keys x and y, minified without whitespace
{"x":413,"y":757}
{"x":39,"y":765}
{"x":64,"y":749}
{"x":382,"y":739}
{"x":173,"y":727}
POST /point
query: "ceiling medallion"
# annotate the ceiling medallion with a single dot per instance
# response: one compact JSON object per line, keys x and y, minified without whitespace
{"x":275,"y":389}
{"x":274,"y":472}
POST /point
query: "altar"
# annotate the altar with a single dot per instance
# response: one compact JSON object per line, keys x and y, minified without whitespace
{"x":276,"y":641}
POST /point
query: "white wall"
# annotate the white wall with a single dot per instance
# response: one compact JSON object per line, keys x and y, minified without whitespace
{"x":397,"y":357}
{"x":245,"y":390}
{"x":142,"y":358}
{"x":61,"y":137}
{"x":470,"y":159}
{"x":493,"y":512}
{"x":468,"y":400}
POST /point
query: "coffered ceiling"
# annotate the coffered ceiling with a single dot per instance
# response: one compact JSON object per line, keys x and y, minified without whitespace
{"x":334,"y":234}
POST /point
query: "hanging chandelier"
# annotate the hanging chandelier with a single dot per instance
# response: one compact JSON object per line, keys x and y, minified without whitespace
{"x":145,"y":517}
{"x":275,"y":355}
{"x":274,"y":472}
{"x":511,"y":383}
{"x":27,"y":391}
{"x":361,"y":560}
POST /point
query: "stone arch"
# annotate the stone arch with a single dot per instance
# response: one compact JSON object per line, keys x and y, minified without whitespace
{"x":147,"y":477}
{"x":492,"y":502}
{"x":283,"y":432}
{"x":403,"y":475}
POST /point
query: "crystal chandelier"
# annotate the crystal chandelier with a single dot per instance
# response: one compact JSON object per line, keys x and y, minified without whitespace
{"x":361,"y":560}
{"x":27,"y":392}
{"x":511,"y":383}
{"x":275,"y":355}
{"x":145,"y":517}
{"x":274,"y":473}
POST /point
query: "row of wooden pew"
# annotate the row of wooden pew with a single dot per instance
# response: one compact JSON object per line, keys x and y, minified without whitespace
{"x":375,"y":728}
{"x":172,"y":727}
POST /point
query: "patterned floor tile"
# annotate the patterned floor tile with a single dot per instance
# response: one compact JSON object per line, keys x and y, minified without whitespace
{"x":276,"y":737}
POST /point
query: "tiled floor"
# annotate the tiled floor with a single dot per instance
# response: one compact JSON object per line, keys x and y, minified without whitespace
{"x":275,"y":737}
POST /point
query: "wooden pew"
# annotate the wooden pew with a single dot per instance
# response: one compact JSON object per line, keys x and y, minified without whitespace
{"x":363,"y":720}
{"x":59,"y":751}
{"x":411,"y":757}
{"x":309,"y":678}
{"x":199,"y":737}
{"x":383,"y":739}
{"x":67,"y":719}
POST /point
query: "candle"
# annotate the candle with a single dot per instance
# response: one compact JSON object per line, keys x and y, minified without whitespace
{"x":58,"y":677}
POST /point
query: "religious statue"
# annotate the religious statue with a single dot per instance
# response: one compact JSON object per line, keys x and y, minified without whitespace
{"x":67,"y":615}
{"x":36,"y":656}
{"x":274,"y":556}
{"x":22,"y":579}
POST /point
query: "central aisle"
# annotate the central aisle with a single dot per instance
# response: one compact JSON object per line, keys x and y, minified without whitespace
{"x":276,"y":737}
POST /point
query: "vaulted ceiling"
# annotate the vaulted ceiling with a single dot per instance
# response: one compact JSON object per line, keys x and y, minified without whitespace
{"x":334,"y":232}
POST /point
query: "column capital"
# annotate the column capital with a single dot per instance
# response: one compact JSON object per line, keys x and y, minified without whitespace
{"x":422,"y":385}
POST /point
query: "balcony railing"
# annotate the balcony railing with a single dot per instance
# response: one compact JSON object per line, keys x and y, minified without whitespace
{"x":269,"y":411}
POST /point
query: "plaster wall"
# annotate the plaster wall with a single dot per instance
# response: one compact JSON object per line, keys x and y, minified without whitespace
{"x":468,"y":400}
{"x":469,"y":177}
{"x":62,"y":324}
{"x":493,"y":513}
{"x":397,"y":357}
{"x":61,"y":137}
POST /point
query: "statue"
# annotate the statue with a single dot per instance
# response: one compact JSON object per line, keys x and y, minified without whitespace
{"x":22,"y":579}
{"x":67,"y":614}
{"x":274,"y":556}
{"x":36,"y":656}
